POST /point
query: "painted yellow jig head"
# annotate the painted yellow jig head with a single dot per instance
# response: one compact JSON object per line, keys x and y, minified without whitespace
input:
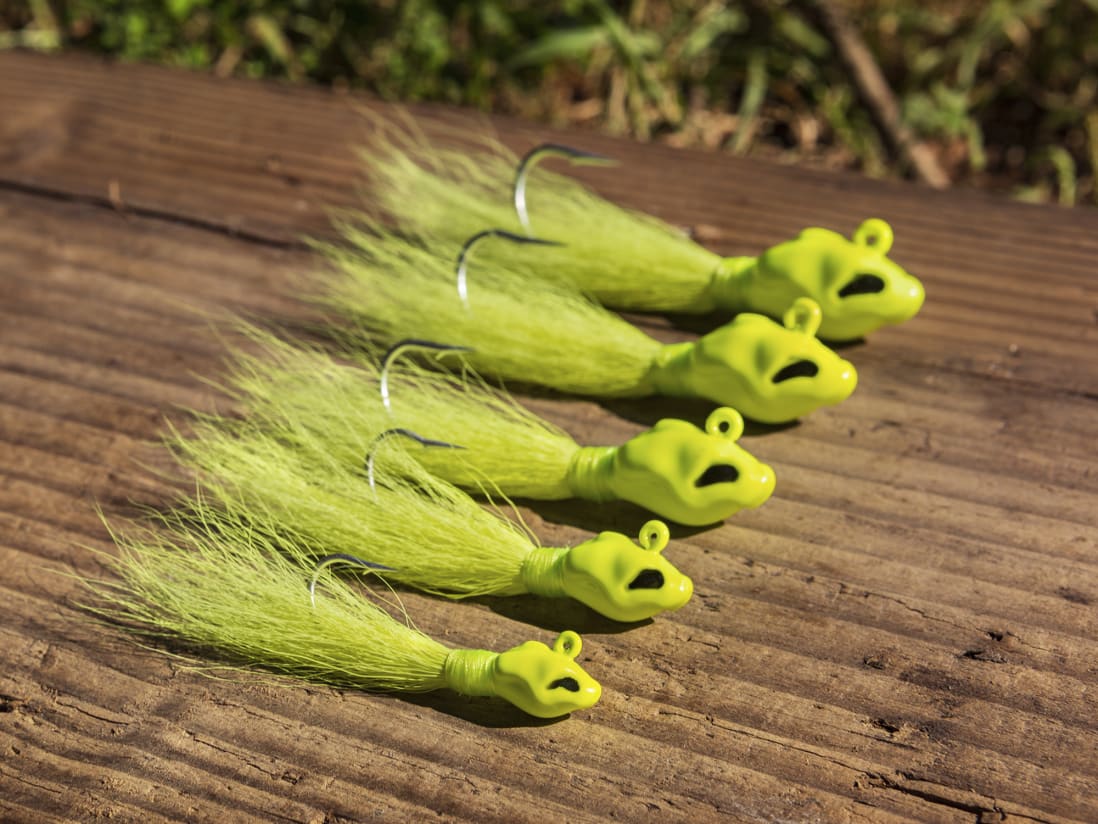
{"x":543,"y":682}
{"x":858,"y":288}
{"x":236,"y":586}
{"x":612,"y":575}
{"x":769,"y":372}
{"x":631,"y":261}
{"x":692,"y":476}
{"x":574,"y":345}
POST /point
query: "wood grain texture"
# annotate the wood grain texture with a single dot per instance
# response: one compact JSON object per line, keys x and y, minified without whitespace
{"x":906,"y":631}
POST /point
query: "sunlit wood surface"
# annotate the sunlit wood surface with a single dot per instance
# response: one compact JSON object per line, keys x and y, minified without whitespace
{"x":905,"y":631}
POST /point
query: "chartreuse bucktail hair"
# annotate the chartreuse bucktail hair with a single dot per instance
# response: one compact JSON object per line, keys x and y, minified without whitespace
{"x":231,"y":587}
{"x":422,"y":531}
{"x":628,"y":260}
{"x":676,"y":470}
{"x":521,"y":327}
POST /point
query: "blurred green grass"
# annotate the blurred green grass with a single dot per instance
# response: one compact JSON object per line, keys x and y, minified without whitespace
{"x":1004,"y":91}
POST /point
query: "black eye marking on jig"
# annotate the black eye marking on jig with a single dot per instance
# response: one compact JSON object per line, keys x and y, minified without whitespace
{"x":863,"y":284}
{"x":718,"y":474}
{"x":570,"y":684}
{"x":798,"y":369}
{"x":647,"y":579}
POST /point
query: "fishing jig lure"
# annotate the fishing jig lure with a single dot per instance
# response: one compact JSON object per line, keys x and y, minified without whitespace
{"x":521,"y":327}
{"x":628,"y":260}
{"x":678,"y":471}
{"x":416,"y":529}
{"x":230,"y":586}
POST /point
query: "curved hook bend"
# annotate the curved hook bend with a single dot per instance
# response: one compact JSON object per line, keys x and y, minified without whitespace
{"x":339,"y":558}
{"x":467,"y":248}
{"x":394,"y":351}
{"x":405,"y":433}
{"x":577,"y":157}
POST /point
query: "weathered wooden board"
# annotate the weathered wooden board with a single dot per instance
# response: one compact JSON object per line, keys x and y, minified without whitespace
{"x":905,"y":631}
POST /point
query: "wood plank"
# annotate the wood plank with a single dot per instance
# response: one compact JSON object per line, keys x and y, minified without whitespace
{"x":986,"y":256}
{"x":906,"y":631}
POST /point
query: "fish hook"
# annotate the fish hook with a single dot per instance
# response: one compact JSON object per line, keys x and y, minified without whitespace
{"x":406,"y":433}
{"x":339,"y":558}
{"x":467,"y":248}
{"x":576,"y":157}
{"x":401,"y":346}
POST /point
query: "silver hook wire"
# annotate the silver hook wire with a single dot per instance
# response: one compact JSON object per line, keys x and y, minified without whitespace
{"x":339,"y":558}
{"x":467,"y":248}
{"x":401,"y":346}
{"x":577,"y":157}
{"x":405,"y":433}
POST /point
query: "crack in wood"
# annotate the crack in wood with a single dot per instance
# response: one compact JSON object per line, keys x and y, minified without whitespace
{"x":30,"y":783}
{"x":190,"y":221}
{"x":991,"y":806}
{"x":93,"y":715}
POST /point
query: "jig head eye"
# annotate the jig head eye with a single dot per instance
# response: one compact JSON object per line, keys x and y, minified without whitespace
{"x":797,"y":369}
{"x":647,"y":579}
{"x":718,"y":474}
{"x":723,"y":423}
{"x":863,"y":284}
{"x":570,"y":684}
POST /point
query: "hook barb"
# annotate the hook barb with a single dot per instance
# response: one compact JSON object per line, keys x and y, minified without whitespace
{"x":467,"y":248}
{"x":577,"y":157}
{"x":397,"y":349}
{"x":340,"y":558}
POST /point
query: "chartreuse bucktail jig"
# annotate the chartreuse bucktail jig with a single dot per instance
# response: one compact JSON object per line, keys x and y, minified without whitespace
{"x":231,"y":586}
{"x":676,"y":470}
{"x":521,"y":327}
{"x":628,"y":260}
{"x":413,"y":528}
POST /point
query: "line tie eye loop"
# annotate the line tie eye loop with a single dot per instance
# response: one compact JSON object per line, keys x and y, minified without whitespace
{"x":467,"y":249}
{"x":371,"y":453}
{"x":803,"y":316}
{"x":568,"y":643}
{"x":725,"y":423}
{"x":654,"y":536}
{"x":576,"y":157}
{"x":875,"y":234}
{"x":399,"y":348}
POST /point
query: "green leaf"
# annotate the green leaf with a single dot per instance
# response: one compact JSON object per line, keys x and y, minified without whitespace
{"x":181,"y":9}
{"x":1064,"y":166}
{"x":267,"y":31}
{"x":753,"y":92}
{"x":569,"y":45}
{"x":801,"y":34}
{"x":726,"y":21}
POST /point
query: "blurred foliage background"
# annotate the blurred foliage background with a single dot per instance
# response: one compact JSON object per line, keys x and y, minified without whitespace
{"x":1001,"y":92}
